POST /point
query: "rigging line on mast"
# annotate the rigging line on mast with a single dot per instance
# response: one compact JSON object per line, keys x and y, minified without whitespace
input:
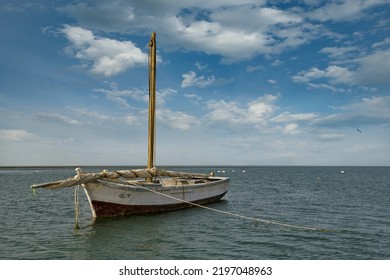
{"x":272,"y":222}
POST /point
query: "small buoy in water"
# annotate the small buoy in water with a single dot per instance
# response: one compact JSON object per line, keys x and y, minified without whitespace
{"x":243,"y":171}
{"x":342,"y":171}
{"x":223,"y":171}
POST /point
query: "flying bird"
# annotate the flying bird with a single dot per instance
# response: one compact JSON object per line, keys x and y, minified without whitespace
{"x":358,"y":130}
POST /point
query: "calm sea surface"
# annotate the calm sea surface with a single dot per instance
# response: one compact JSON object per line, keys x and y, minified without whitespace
{"x":355,"y":205}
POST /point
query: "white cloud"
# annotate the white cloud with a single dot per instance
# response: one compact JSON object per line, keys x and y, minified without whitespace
{"x":288,"y":117}
{"x":163,"y":95}
{"x":255,"y":17}
{"x":371,"y":69}
{"x":325,"y":86}
{"x":191,"y":79}
{"x":122,"y":15}
{"x":219,"y":27}
{"x":343,"y":10}
{"x":200,"y":66}
{"x":121,"y":97}
{"x":225,"y":111}
{"x":127,"y":119}
{"x":251,"y":68}
{"x":108,"y":57}
{"x":176,"y":119}
{"x":214,"y":38}
{"x":213,"y":27}
{"x":58,"y":118}
{"x":374,"y":68}
{"x":291,"y":128}
{"x":294,"y":36}
{"x":194,"y":98}
{"x":375,"y":107}
{"x":15,"y":134}
{"x":260,"y":109}
{"x":368,"y":111}
{"x":276,"y":62}
{"x":334,"y":73}
{"x":330,"y":137}
{"x":337,"y":52}
{"x":309,"y":75}
{"x":107,"y":16}
{"x":136,"y":94}
{"x":385,"y":42}
{"x":257,"y":112}
{"x":338,"y":74}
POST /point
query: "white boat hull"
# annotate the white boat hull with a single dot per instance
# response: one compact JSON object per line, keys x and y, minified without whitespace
{"x":113,"y":199}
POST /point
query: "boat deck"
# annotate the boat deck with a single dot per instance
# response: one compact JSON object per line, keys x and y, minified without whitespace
{"x":170,"y":182}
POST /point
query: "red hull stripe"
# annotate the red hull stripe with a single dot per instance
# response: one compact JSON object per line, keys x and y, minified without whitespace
{"x":108,"y":209}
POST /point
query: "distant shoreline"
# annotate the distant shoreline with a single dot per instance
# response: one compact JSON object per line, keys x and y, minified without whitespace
{"x":175,"y":166}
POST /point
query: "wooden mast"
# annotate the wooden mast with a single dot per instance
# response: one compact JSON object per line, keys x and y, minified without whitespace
{"x":152,"y":102}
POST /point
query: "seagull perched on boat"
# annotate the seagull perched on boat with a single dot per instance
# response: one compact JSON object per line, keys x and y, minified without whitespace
{"x":358,"y":130}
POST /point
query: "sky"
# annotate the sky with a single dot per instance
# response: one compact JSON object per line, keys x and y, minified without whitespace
{"x":250,"y":82}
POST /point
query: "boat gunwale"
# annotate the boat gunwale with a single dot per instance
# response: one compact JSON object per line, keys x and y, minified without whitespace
{"x":158,"y":186}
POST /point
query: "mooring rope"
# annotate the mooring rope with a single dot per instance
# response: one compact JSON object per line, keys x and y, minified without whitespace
{"x":259,"y":220}
{"x":272,"y":222}
{"x":76,"y":207}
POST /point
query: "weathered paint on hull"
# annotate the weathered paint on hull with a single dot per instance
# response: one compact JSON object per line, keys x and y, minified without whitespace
{"x":107,"y":209}
{"x":111,"y":199}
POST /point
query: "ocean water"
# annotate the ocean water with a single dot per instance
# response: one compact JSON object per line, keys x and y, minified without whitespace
{"x":354,"y":206}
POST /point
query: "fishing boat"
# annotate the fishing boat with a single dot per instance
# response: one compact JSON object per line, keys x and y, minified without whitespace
{"x":148,"y":190}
